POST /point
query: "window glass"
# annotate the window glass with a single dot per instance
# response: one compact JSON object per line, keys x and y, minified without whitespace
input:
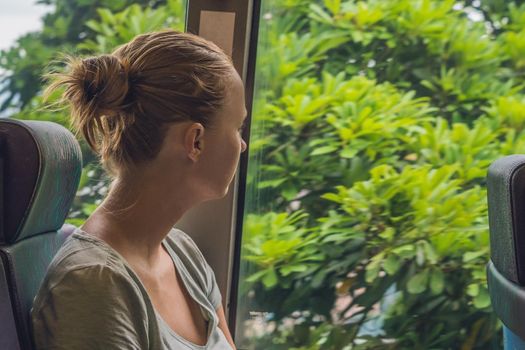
{"x":373,"y":126}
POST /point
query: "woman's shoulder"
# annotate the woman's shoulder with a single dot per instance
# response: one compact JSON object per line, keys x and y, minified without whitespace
{"x":81,"y":251}
{"x":87,"y":290}
{"x":83,"y":256}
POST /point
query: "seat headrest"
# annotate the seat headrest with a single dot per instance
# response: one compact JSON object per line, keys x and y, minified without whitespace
{"x":40,"y":168}
{"x":506,"y":205}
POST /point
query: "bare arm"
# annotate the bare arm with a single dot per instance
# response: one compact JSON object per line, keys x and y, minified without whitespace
{"x":224,"y":326}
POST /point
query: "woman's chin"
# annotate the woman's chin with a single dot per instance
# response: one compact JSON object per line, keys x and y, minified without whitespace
{"x":218,"y":194}
{"x":225,"y":191}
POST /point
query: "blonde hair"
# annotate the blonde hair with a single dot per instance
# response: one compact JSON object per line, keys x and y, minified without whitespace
{"x":122,"y":102}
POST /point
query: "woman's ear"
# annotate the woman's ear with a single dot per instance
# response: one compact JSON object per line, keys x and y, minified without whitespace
{"x":194,"y":141}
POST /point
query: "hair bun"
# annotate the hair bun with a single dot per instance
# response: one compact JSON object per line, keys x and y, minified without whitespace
{"x":104,"y":83}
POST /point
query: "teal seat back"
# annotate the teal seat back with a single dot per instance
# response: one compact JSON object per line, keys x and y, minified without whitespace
{"x":40,"y":167}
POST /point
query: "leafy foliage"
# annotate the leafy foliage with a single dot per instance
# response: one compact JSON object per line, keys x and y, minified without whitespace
{"x":64,"y":28}
{"x":382,"y":133}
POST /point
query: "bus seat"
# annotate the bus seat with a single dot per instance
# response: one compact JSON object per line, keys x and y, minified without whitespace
{"x":40,"y":167}
{"x":506,"y":269}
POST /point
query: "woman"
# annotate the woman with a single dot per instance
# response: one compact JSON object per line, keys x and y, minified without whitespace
{"x":164,"y":114}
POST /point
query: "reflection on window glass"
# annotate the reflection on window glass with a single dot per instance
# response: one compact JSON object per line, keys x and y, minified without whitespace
{"x":374,"y":123}
{"x":86,"y":27}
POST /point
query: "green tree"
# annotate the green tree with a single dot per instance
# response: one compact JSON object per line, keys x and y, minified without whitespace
{"x":379,"y":119}
{"x":64,"y":28}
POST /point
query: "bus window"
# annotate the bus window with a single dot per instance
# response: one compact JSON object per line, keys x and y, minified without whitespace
{"x":365,"y":214}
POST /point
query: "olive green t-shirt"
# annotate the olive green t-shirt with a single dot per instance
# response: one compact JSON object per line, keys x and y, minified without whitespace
{"x":92,"y":299}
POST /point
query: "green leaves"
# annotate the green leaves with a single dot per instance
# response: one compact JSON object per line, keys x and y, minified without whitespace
{"x":276,"y":244}
{"x":391,"y":264}
{"x":418,"y":283}
{"x":114,"y":29}
{"x":437,"y":281}
{"x":27,"y":60}
{"x":383,"y":132}
{"x":480,"y":295}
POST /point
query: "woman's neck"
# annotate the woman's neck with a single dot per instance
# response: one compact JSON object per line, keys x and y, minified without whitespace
{"x":135,"y":217}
